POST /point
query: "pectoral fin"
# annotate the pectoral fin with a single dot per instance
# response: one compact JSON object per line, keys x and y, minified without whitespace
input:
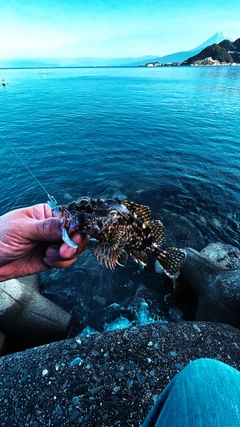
{"x":122,"y":258}
{"x":106,"y":253}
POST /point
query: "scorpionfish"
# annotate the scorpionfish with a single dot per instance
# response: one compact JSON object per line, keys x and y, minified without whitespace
{"x":119,"y":225}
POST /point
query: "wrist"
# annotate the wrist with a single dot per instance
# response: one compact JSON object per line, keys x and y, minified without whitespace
{"x":8,"y":272}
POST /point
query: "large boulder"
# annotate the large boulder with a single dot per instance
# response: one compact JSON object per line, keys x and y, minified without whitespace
{"x":27,"y":318}
{"x":214,"y":276}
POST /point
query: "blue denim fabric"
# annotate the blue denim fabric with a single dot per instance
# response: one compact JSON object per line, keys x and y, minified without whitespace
{"x":206,"y":393}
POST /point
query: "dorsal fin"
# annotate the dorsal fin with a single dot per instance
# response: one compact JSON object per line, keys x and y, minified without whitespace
{"x":141,"y":211}
{"x":157,"y":231}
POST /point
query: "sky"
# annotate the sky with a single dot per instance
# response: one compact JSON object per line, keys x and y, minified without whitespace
{"x":112,"y":28}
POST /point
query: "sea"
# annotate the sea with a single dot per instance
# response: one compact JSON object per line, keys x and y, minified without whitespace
{"x":166,"y":137}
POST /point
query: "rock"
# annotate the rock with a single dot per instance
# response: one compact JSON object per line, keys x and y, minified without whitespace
{"x":217,"y":288}
{"x":226,"y":255}
{"x":40,"y":388}
{"x":27,"y":318}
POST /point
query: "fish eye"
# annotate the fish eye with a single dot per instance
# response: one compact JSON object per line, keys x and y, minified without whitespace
{"x":113,"y":213}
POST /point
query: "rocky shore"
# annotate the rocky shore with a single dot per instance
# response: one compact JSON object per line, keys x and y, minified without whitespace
{"x":109,"y":379}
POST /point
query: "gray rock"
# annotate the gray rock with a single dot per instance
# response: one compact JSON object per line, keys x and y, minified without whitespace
{"x":225,"y":255}
{"x":217,"y":288}
{"x":27,"y":316}
{"x":39,"y":387}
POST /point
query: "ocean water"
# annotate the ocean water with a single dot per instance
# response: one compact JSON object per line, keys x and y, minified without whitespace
{"x":165,"y":137}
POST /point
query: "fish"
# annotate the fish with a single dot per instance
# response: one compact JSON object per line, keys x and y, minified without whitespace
{"x":119,"y":226}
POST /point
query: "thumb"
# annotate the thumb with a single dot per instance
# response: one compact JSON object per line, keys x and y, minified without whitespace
{"x":47,"y":229}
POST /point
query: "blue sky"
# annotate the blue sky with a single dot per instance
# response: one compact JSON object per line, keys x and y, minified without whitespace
{"x":112,"y":28}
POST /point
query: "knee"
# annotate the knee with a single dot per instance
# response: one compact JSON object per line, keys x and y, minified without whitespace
{"x":205,"y":366}
{"x":205,"y":362}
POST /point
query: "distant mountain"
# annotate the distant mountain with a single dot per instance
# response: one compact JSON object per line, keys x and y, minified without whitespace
{"x":182,"y":56}
{"x":101,"y":62}
{"x":225,"y":51}
{"x":26,"y":63}
{"x":73,"y":62}
{"x":111,"y":62}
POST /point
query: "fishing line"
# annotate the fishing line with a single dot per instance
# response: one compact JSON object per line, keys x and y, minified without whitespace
{"x":51,"y":198}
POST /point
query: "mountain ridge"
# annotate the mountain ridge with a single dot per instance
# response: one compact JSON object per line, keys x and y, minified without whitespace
{"x":96,"y":61}
{"x":224,"y":52}
{"x":184,"y":55}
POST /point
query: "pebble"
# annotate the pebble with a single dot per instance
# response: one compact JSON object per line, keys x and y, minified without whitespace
{"x":108,"y":404}
{"x":75,"y":400}
{"x":165,"y":328}
{"x":129,"y":383}
{"x":105,"y":366}
{"x":196,"y":328}
{"x":74,"y":384}
{"x":179,"y":366}
{"x":73,"y":415}
{"x":76,"y":362}
{"x":130,"y":366}
{"x":118,"y":375}
{"x":25,"y":375}
{"x":96,"y":390}
{"x":140,"y":378}
{"x":78,"y":388}
{"x":58,"y":410}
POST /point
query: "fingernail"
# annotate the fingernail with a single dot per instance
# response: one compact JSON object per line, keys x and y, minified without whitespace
{"x":48,"y":260}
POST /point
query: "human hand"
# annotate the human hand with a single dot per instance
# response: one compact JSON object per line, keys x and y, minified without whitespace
{"x":30,"y":242}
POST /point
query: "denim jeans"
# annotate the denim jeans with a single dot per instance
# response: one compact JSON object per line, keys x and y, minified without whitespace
{"x":206,"y":393}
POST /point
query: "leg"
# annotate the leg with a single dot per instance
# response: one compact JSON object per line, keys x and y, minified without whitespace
{"x":204,"y":394}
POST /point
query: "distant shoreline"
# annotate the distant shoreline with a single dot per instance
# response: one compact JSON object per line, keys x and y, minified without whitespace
{"x":47,"y":67}
{"x":118,"y":66}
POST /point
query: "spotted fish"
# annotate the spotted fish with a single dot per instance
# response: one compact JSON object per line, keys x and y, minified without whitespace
{"x":119,"y":225}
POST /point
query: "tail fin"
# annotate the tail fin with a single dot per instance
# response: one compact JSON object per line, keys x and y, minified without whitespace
{"x":171,"y":260}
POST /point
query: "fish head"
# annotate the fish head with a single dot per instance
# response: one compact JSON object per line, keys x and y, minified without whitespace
{"x":91,"y":216}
